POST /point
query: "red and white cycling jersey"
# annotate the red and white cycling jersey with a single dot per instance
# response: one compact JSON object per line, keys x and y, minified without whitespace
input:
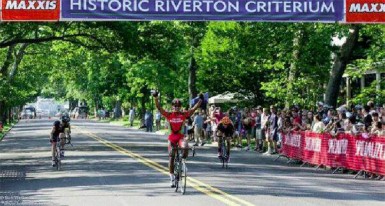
{"x":176,"y":120}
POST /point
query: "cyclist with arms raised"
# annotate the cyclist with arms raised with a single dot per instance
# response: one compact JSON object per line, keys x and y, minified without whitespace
{"x":176,"y":118}
{"x":225,"y":132}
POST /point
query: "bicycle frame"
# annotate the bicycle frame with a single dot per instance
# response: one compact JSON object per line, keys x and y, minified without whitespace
{"x":180,"y":170}
{"x":68,"y":137}
{"x":57,"y":155}
{"x":223,"y":150}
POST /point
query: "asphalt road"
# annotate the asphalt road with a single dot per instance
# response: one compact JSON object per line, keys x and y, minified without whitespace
{"x":112,"y":165}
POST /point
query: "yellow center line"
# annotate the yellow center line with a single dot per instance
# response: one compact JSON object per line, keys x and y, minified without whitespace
{"x":196,"y":184}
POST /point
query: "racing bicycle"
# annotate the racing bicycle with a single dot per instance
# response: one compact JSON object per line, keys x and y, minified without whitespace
{"x":223,"y":152}
{"x":180,"y":170}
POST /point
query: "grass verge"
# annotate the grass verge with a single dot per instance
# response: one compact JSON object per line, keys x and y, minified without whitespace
{"x":6,"y":129}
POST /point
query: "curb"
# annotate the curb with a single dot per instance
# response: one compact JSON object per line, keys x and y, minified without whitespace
{"x":5,"y":134}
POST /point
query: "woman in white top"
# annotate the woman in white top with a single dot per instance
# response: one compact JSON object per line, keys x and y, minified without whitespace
{"x":318,"y":126}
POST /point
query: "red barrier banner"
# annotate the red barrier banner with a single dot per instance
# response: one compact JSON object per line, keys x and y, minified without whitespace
{"x":365,"y":11}
{"x":292,"y":145}
{"x":336,"y":151}
{"x":27,"y":10}
{"x":313,"y":148}
{"x":356,"y":152}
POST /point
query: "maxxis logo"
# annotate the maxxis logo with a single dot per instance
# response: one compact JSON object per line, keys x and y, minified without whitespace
{"x":31,"y":5}
{"x":367,"y":8}
{"x":365,"y":11}
{"x":30,"y":10}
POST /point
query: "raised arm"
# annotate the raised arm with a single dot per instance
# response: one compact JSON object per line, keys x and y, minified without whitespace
{"x":157,"y":104}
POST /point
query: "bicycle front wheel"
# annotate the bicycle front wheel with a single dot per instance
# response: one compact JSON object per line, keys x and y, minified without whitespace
{"x":58,"y":165}
{"x":224,"y":154}
{"x":58,"y":159}
{"x":183,"y":178}
{"x":177,"y":175}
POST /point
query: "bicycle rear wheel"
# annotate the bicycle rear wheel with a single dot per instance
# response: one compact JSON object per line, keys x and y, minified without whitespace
{"x":183,"y":177}
{"x":224,"y":154}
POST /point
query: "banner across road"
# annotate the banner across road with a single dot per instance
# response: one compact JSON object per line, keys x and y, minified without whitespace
{"x":344,"y":11}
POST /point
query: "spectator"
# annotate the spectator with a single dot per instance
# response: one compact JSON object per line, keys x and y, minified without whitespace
{"x":272,"y":132}
{"x":309,"y":120}
{"x":296,"y":121}
{"x":318,"y":126}
{"x":131,"y":116}
{"x":328,"y":117}
{"x":376,"y":128}
{"x":258,"y":130}
{"x":375,"y":118}
{"x":247,"y":126}
{"x":238,"y":121}
{"x":280,"y":123}
{"x":264,"y":119}
{"x":303,"y":125}
{"x":382,"y":114}
{"x":287,"y":126}
{"x":357,"y":112}
{"x":158,"y":117}
{"x":321,"y":110}
{"x":189,"y":128}
{"x":149,"y":121}
{"x":198,"y":126}
{"x":216,"y":118}
{"x":337,"y":128}
{"x":209,"y":131}
{"x":382,"y":133}
{"x":371,"y":106}
{"x":367,"y":120}
{"x":351,"y":127}
{"x":234,"y":115}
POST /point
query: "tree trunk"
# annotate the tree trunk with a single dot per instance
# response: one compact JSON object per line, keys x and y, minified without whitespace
{"x":118,"y":110}
{"x":339,"y":66}
{"x":10,"y":117}
{"x":18,"y":58}
{"x":192,"y":90}
{"x":96,"y":108}
{"x":3,"y":110}
{"x":293,"y":72}
{"x":146,"y":93}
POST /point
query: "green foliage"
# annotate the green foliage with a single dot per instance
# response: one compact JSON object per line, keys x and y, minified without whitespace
{"x":105,"y":63}
{"x":370,"y":94}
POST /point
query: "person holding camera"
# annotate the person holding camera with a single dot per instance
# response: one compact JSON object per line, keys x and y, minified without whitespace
{"x":176,"y":119}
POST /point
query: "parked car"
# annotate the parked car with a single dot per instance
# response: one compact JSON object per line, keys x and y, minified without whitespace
{"x":27,"y":114}
{"x":79,"y":112}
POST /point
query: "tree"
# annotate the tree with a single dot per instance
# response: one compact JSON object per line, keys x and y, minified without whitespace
{"x":339,"y":65}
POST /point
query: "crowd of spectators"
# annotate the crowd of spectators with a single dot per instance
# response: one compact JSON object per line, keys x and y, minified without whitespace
{"x":266,"y":125}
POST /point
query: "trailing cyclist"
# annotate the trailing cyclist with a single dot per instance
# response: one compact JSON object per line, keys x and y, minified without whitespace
{"x":176,"y":118}
{"x":54,"y":138}
{"x":225,"y":131}
{"x":58,"y":133}
{"x":65,"y":130}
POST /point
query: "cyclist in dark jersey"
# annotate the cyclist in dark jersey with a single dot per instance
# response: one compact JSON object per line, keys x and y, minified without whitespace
{"x":225,"y":131}
{"x":176,"y":118}
{"x":54,"y":138}
{"x":64,"y":127}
